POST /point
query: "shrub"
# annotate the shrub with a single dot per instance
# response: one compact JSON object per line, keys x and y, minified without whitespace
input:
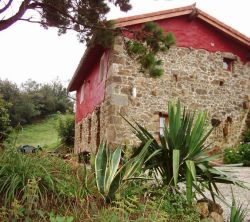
{"x":4,"y":120}
{"x":149,"y":205}
{"x":232,"y":156}
{"x":66,"y":129}
{"x":246,"y":136}
{"x":244,"y":150}
{"x":241,"y":154}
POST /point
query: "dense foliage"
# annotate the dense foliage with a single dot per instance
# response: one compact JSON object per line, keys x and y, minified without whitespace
{"x":240,"y":154}
{"x":246,"y":136}
{"x":33,"y":100}
{"x":115,"y":187}
{"x":32,"y":184}
{"x":39,"y":187}
{"x":86,"y":17}
{"x":4,"y":119}
{"x":66,"y":129}
{"x":146,"y":43}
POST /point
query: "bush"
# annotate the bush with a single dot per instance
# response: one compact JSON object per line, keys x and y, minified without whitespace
{"x":244,"y":150}
{"x":34,"y":101}
{"x":66,"y":129}
{"x":4,"y":120}
{"x":146,"y":204}
{"x":232,"y":156}
{"x":246,"y":136}
{"x":241,"y":154}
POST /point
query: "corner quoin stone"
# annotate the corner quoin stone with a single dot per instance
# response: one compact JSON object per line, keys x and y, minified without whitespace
{"x":119,"y":100}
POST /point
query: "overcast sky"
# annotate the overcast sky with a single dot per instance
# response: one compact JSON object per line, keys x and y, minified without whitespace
{"x":29,"y":51}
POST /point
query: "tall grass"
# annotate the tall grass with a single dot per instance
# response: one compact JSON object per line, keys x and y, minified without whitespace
{"x":39,"y":180}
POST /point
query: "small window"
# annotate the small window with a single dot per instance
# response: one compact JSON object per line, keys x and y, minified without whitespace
{"x":89,"y":129}
{"x":80,"y":133}
{"x":228,"y":64}
{"x":163,"y":122}
{"x":103,"y":68}
{"x":82,"y":93}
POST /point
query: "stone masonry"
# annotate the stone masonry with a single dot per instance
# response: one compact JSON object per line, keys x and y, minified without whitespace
{"x":195,"y":76}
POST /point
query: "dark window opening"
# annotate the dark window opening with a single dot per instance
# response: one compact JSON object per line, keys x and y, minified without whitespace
{"x":175,"y":77}
{"x":228,"y":64}
{"x":80,"y":136}
{"x":163,"y":120}
{"x":221,"y":83}
{"x":89,"y":130}
{"x":229,"y":119}
{"x":98,"y":130}
{"x":215,"y":122}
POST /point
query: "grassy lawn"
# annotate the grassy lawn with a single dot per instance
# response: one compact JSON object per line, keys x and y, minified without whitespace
{"x":42,"y":133}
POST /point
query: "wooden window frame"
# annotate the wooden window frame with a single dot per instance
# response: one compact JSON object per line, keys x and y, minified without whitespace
{"x":102,"y":68}
{"x":82,"y":94}
{"x":163,"y":116}
{"x":228,"y":64}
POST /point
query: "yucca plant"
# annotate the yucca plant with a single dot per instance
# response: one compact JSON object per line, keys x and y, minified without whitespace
{"x":181,"y":155}
{"x":109,"y":177}
{"x":238,"y":214}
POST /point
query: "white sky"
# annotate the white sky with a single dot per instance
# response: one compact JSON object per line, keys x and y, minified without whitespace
{"x":29,"y":51}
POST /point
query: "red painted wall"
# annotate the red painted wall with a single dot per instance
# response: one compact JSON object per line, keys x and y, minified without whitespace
{"x":200,"y":35}
{"x":93,"y":92}
{"x":196,"y":34}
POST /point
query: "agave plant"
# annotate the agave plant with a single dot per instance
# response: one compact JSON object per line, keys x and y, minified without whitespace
{"x":109,"y":177}
{"x":181,"y":154}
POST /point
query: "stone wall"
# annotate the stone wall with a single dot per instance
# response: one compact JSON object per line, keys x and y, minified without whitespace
{"x":195,"y":76}
{"x":88,"y":132}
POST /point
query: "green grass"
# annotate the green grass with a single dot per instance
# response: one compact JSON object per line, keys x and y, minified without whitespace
{"x":42,"y":133}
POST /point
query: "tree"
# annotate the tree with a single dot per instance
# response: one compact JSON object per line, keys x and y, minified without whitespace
{"x":4,"y":120}
{"x":33,"y":100}
{"x":86,"y":17}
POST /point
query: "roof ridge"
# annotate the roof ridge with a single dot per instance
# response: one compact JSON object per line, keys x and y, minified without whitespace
{"x":169,"y":13}
{"x":128,"y":18}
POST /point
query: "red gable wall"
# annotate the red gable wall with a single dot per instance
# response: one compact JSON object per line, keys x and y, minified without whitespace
{"x":200,"y":35}
{"x":93,"y":92}
{"x":195,"y":33}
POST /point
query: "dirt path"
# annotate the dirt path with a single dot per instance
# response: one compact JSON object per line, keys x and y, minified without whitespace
{"x":241,"y":195}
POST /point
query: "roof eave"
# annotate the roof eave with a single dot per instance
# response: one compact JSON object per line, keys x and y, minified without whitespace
{"x":223,"y":27}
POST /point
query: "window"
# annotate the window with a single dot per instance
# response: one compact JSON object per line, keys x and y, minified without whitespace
{"x":82,"y":93}
{"x":89,"y":129}
{"x":228,"y":64}
{"x":163,"y":122}
{"x":80,"y":132}
{"x":103,"y":68}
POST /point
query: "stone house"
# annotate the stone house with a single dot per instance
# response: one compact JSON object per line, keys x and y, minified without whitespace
{"x":207,"y":69}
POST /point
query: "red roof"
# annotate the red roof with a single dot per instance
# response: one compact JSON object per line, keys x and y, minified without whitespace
{"x":191,"y":10}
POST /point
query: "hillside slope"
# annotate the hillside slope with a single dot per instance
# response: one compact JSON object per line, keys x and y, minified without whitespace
{"x":42,"y":133}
